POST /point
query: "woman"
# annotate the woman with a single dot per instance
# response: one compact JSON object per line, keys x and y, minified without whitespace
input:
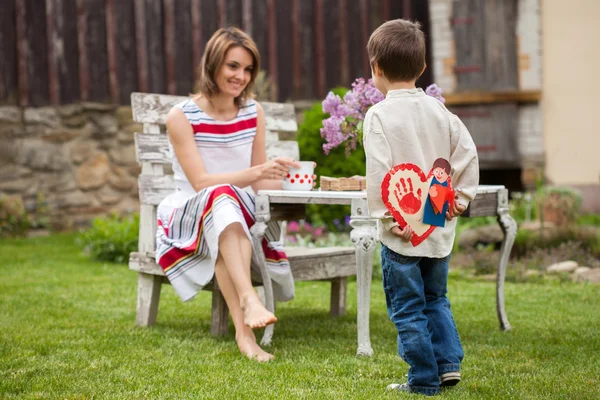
{"x":218,"y":141}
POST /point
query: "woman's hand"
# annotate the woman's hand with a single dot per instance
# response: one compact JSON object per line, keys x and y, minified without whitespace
{"x":277,"y":168}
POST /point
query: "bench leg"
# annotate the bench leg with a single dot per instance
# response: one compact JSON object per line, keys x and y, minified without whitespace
{"x":148,"y":296}
{"x":338,"y":296}
{"x":219,"y":319}
{"x":509,"y":227}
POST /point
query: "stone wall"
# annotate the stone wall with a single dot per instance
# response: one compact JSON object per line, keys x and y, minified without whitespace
{"x":79,"y":157}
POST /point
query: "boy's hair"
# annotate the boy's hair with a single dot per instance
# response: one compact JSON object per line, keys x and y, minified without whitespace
{"x":443,"y":164}
{"x":398,"y":49}
{"x":214,"y":56}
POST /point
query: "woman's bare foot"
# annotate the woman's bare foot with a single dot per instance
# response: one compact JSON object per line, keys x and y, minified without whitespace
{"x":246,"y":342}
{"x":255,"y":314}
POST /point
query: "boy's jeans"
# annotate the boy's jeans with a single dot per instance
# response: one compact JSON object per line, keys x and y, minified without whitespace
{"x":415,"y":292}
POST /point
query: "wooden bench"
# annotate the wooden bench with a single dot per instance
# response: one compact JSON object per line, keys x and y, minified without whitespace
{"x":152,"y":153}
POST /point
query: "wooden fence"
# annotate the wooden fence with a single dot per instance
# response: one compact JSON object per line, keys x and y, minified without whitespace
{"x":66,"y":51}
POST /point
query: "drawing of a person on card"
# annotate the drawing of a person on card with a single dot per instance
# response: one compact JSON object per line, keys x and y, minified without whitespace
{"x":440,"y":194}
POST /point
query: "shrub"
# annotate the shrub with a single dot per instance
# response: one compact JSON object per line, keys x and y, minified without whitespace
{"x":336,"y":163}
{"x":14,"y":220}
{"x":111,"y":238}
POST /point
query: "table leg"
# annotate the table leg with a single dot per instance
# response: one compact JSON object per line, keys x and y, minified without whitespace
{"x":262,"y":216}
{"x":363,"y":235}
{"x":509,"y":228}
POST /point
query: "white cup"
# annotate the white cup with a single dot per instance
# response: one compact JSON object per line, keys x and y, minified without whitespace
{"x":300,"y":178}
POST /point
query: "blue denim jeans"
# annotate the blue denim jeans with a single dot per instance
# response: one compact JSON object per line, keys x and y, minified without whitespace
{"x":415,"y":293}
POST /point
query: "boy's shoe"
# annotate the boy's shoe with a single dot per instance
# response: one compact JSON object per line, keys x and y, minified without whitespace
{"x":397,"y":387}
{"x":450,"y":378}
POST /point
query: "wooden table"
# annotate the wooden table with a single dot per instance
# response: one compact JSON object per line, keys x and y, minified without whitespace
{"x":279,"y":204}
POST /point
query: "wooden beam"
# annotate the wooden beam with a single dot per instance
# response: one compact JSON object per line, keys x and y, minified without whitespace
{"x":247,"y":16}
{"x":22,"y":53}
{"x":196,"y":34}
{"x":111,"y":48}
{"x":84,"y":71}
{"x":516,"y":96}
{"x":221,"y":13}
{"x":272,"y":43}
{"x":141,"y":46}
{"x":364,"y":29}
{"x":53,"y":81}
{"x":297,"y":49}
{"x":319,"y":48}
{"x":169,"y":35}
{"x":345,"y":78}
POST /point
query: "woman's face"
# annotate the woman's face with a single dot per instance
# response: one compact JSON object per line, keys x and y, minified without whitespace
{"x":235,"y":72}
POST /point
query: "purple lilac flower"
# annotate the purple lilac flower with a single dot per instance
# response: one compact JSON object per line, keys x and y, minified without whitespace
{"x":434,"y":90}
{"x":331,"y":103}
{"x":342,"y":126}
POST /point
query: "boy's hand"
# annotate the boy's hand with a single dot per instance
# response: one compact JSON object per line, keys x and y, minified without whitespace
{"x":455,"y":210}
{"x":404,"y":234}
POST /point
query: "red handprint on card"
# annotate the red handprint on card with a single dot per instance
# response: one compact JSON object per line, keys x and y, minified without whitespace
{"x":408,"y":202}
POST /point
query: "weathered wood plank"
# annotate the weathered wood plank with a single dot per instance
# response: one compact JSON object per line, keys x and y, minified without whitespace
{"x":319,"y":40}
{"x":260,"y":31}
{"x":494,"y":129}
{"x":307,"y":263}
{"x":153,"y":108}
{"x":156,"y":49}
{"x":476,"y":97}
{"x":197,"y":42}
{"x":210,"y":21}
{"x":96,"y":49}
{"x":111,"y":48}
{"x":468,"y":38}
{"x":142,"y":45}
{"x":484,"y":205}
{"x":84,"y":72}
{"x":286,"y":61}
{"x":170,"y":47}
{"x":184,"y":62}
{"x":272,"y":41}
{"x":126,"y":49}
{"x":501,"y":68}
{"x":37,"y":59}
{"x":332,"y":53}
{"x":233,"y":13}
{"x":355,"y":39}
{"x":306,"y":63}
{"x":344,"y":56}
{"x":51,"y":36}
{"x":8,"y":61}
{"x":67,"y":51}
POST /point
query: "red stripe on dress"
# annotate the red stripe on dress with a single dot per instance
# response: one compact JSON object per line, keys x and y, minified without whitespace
{"x":174,"y":255}
{"x":224,"y":129}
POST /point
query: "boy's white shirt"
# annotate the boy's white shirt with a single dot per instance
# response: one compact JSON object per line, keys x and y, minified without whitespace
{"x":410,"y":127}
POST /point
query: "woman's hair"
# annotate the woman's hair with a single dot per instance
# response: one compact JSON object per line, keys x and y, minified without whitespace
{"x":214,"y":56}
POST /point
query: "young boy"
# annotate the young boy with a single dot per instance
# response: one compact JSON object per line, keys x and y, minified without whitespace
{"x":411,"y":127}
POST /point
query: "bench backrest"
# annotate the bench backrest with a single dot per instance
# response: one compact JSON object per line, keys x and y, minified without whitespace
{"x":152,"y":151}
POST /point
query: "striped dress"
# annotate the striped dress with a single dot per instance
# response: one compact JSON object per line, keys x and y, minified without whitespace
{"x":189,"y":223}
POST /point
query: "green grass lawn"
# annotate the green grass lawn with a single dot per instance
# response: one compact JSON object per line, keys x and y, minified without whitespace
{"x":67,"y":331}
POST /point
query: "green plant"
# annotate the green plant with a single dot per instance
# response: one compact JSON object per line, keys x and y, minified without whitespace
{"x":40,"y":218}
{"x":111,"y":238}
{"x":14,"y":220}
{"x":560,"y":205}
{"x":335,"y":164}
